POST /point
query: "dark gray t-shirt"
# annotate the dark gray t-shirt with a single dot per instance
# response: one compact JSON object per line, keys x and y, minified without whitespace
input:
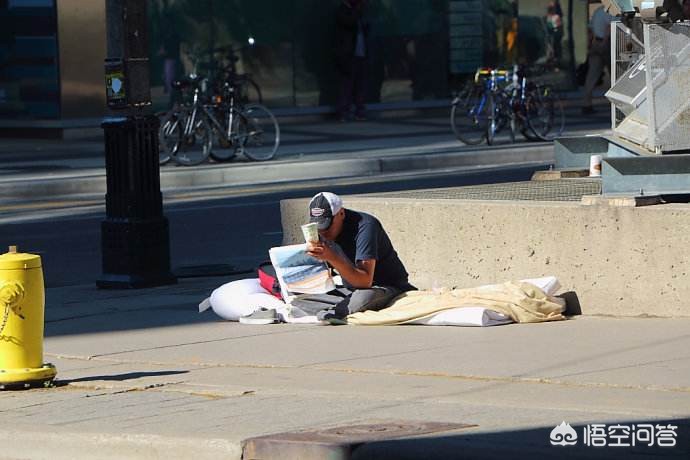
{"x":363,"y":238}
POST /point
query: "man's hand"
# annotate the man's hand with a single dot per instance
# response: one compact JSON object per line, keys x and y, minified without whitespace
{"x":321,"y":251}
{"x":359,"y":276}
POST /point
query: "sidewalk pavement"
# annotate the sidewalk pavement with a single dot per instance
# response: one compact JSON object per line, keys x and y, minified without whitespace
{"x":141,"y":375}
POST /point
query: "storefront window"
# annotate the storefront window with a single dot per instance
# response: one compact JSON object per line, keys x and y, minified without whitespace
{"x":28,"y":59}
{"x":417,"y":49}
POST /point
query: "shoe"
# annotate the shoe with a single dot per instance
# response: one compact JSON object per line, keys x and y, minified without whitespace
{"x":587,"y":110}
{"x":360,"y":118}
{"x":330,"y":317}
{"x":261,"y":316}
{"x":337,"y":321}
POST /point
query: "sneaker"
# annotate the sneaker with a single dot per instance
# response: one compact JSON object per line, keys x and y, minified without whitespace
{"x":337,"y":321}
{"x":328,"y":316}
{"x":361,"y":118}
{"x":261,"y":316}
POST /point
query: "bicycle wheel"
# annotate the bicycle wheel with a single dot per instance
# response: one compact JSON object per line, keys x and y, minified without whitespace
{"x":545,"y":116}
{"x":259,"y":133}
{"x":469,"y":115}
{"x":225,"y":149}
{"x":514,"y":126}
{"x":196,"y":145}
{"x":169,"y":137}
{"x":526,"y":131}
{"x":492,"y":126}
{"x":252,"y":92}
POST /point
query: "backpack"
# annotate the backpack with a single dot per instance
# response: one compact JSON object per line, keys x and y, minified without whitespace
{"x":268,"y":279}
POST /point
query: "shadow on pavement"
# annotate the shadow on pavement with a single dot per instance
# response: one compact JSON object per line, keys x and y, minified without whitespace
{"x":117,"y":377}
{"x":536,"y":443}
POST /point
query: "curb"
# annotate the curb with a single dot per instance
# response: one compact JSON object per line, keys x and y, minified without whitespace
{"x":110,"y":446}
{"x":94,"y":181}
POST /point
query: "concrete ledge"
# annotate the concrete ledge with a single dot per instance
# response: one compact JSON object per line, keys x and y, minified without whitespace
{"x":623,"y":261}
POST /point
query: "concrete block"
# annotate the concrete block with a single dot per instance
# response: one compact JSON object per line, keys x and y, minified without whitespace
{"x":622,"y":261}
{"x":612,"y":200}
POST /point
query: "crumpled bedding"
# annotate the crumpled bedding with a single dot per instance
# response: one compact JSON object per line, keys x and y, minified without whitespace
{"x":520,"y":301}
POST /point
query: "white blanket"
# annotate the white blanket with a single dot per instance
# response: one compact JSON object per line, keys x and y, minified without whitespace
{"x":467,"y":315}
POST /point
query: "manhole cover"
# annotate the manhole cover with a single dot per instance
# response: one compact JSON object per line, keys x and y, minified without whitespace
{"x":338,"y":443}
{"x":379,"y":431}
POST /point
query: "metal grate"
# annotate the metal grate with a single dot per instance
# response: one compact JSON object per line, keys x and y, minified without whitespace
{"x":669,"y":70}
{"x":549,"y":190}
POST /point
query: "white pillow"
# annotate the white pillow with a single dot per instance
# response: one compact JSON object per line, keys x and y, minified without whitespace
{"x":246,"y":286}
{"x":240,"y":298}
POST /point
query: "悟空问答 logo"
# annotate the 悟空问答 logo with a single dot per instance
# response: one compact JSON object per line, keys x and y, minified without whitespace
{"x":563,"y":435}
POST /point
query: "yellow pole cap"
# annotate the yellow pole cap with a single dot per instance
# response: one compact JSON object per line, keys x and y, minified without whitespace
{"x":13,"y":260}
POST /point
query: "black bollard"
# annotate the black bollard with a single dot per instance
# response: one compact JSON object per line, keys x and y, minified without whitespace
{"x":135,"y":241}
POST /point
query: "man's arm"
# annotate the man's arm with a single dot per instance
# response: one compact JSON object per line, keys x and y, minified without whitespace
{"x":359,"y":276}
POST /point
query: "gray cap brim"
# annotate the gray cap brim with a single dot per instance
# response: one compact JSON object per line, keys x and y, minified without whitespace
{"x":322,"y":223}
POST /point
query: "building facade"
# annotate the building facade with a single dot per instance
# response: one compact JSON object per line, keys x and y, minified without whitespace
{"x":52,"y":51}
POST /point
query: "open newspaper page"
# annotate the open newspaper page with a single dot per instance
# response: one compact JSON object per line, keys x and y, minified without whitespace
{"x":300,"y":273}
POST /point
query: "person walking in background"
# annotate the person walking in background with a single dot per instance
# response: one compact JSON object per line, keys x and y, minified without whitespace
{"x":554,"y":29}
{"x":599,"y":54}
{"x":678,"y":10}
{"x":351,"y":53}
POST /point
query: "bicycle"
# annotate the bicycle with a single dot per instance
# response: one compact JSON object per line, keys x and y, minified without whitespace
{"x":489,"y":103}
{"x":469,"y":114}
{"x":251,"y":130}
{"x":188,"y":132}
{"x":546,"y":115}
{"x":512,"y":105}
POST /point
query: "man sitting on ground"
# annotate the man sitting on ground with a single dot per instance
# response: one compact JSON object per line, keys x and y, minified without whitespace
{"x":358,"y":248}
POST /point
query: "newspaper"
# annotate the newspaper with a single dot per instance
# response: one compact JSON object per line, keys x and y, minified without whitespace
{"x":300,"y":273}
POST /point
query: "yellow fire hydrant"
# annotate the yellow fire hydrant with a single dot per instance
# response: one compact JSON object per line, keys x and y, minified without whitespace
{"x":22,"y":303}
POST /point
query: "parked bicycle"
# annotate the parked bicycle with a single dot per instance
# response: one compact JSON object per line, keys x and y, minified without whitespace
{"x":214,"y":119}
{"x":499,"y":98}
{"x":188,"y":132}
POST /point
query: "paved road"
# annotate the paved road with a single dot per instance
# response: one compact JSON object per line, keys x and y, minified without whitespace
{"x":40,"y":175}
{"x":221,"y":226}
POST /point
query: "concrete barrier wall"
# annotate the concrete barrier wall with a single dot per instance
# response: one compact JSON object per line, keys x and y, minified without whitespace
{"x":621,"y":261}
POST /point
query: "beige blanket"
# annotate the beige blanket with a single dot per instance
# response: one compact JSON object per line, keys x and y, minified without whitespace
{"x":523,"y":302}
